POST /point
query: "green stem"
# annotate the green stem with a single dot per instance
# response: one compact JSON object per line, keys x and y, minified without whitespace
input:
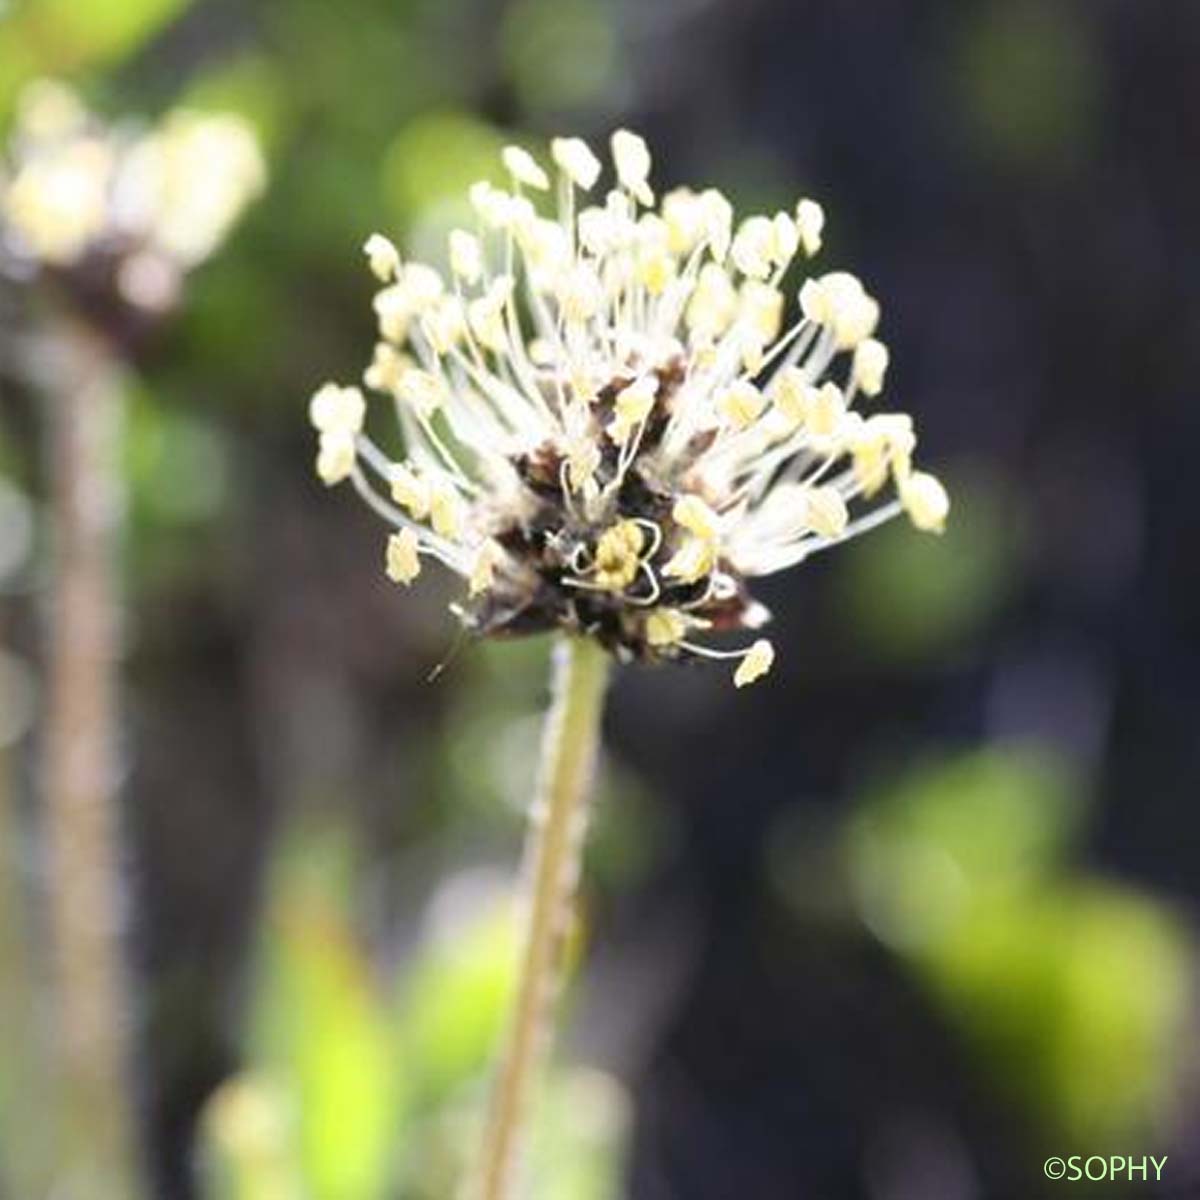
{"x":554,"y":849}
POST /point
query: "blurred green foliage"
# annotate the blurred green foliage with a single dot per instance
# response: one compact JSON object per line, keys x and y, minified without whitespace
{"x":40,"y":37}
{"x":1073,"y":990}
{"x":363,"y":1084}
{"x":1029,"y":79}
{"x":910,"y":599}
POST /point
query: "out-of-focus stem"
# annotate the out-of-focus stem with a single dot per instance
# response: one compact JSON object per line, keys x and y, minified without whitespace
{"x":24,"y":1169}
{"x":91,"y":1010}
{"x":558,"y":820}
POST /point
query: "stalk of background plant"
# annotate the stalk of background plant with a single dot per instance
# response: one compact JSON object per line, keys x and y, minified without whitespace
{"x":91,"y":1013}
{"x":24,"y":1170}
{"x":557,"y":823}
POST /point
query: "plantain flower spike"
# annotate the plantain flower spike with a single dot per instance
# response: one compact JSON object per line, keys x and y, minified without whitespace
{"x":607,"y":427}
{"x":122,"y":207}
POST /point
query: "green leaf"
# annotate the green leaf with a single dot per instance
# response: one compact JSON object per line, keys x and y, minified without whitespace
{"x":324,"y":1031}
{"x":58,"y":36}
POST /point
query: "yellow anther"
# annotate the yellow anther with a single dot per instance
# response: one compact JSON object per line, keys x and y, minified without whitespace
{"x":696,"y":517}
{"x":870,"y":366}
{"x":335,"y":409}
{"x":466,"y":256}
{"x":576,"y":160}
{"x":618,"y":555}
{"x":839,"y":302}
{"x":631,"y":157}
{"x":665,"y":627}
{"x":403,"y":560}
{"x":824,"y":410}
{"x":445,"y":509}
{"x":756,"y":662}
{"x":752,"y":247}
{"x":410,"y":491}
{"x":741,"y":404}
{"x":827,"y":512}
{"x":632,"y":406}
{"x":382,"y":257}
{"x":810,"y":223}
{"x":387,"y":365}
{"x":335,"y":456}
{"x":523,"y":167}
{"x":926,"y":502}
{"x":421,"y":389}
{"x":695,"y":559}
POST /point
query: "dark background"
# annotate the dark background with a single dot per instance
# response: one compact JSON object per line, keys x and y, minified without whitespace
{"x":898,"y":923}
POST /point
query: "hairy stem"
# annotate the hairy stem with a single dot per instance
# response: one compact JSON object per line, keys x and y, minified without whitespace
{"x":80,"y":771}
{"x":554,"y":849}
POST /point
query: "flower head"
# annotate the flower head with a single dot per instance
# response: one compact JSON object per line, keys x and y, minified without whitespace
{"x":607,"y":427}
{"x":121,"y":211}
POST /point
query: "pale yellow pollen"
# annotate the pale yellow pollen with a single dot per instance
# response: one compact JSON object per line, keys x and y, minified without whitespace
{"x":741,"y":404}
{"x":696,"y":517}
{"x":718,"y":222}
{"x":838,"y":301}
{"x":487,"y":558}
{"x":523,"y":167}
{"x":583,"y":461}
{"x":870,"y":460}
{"x":403,"y":559}
{"x":870,"y":366}
{"x":752,"y":247}
{"x":756,"y":662}
{"x":423,"y":390}
{"x":597,"y":233}
{"x":632,"y":406}
{"x":394,"y":311}
{"x":485,"y":314}
{"x":827,"y":512}
{"x":335,"y":456}
{"x":882,"y":442}
{"x":761,"y":310}
{"x":445,"y":509}
{"x":576,"y":160}
{"x":409,"y":491}
{"x":494,"y":205}
{"x":655,"y":271}
{"x":445,"y":324}
{"x":547,"y":251}
{"x":824,"y":409}
{"x":466,"y":256}
{"x":810,"y":223}
{"x":631,"y":156}
{"x":386,"y":367}
{"x":926,"y":502}
{"x":580,"y":293}
{"x":695,"y":559}
{"x":656,"y":264}
{"x":683,"y":213}
{"x":335,"y":409}
{"x":618,"y":555}
{"x":382,"y":257}
{"x":713,"y":304}
{"x":785,"y":239}
{"x":788,"y":391}
{"x":665,"y":627}
{"x":422,"y":285}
